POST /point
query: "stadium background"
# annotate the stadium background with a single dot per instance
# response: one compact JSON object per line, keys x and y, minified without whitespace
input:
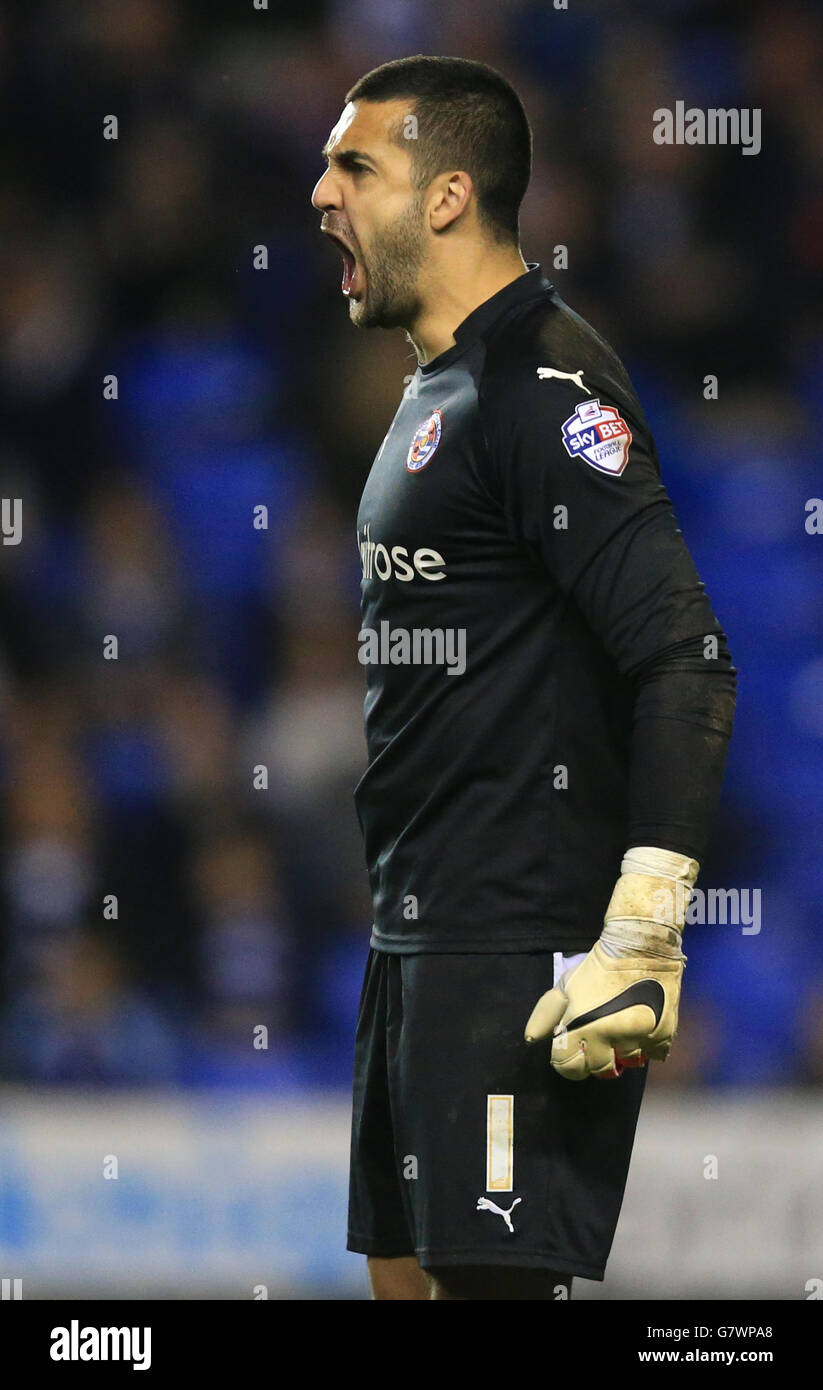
{"x":237,"y":906}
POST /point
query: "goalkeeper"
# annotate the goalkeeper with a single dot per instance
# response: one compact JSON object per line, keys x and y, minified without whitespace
{"x":533,"y":826}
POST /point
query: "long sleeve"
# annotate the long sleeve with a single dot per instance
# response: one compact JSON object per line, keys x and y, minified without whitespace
{"x":609,"y":538}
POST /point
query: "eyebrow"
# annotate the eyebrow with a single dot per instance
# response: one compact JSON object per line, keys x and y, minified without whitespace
{"x":345,"y":159}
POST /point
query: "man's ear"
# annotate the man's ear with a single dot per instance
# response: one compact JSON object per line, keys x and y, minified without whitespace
{"x":449,"y":198}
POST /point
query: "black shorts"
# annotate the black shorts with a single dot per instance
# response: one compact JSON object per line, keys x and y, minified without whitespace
{"x":467,"y":1147}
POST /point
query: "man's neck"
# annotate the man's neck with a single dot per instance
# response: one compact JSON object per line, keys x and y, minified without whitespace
{"x":451,"y":297}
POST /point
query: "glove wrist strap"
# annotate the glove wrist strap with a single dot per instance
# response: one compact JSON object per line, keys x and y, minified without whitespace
{"x":660,"y":863}
{"x":627,"y":936}
{"x":647,"y":910}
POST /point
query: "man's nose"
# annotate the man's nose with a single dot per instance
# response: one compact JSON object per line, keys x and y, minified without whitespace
{"x":326,"y":193}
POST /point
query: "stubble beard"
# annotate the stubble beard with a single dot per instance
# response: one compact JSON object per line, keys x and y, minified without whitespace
{"x":391,"y":298}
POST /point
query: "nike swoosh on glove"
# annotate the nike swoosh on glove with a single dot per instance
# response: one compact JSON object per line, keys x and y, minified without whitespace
{"x":619,"y":1007}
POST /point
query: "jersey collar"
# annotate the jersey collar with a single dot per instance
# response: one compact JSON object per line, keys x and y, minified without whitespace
{"x":530,"y":285}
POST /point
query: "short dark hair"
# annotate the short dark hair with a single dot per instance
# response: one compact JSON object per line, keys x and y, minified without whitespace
{"x":468,"y":117}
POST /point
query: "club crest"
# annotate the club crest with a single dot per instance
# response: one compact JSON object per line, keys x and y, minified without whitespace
{"x":424,"y":443}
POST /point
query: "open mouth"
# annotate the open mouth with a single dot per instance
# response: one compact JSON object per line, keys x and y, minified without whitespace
{"x":351,"y":268}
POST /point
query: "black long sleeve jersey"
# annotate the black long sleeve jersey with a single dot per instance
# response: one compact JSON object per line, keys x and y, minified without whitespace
{"x":547,"y":684}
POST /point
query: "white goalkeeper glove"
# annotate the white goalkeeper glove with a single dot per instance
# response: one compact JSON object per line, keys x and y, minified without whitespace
{"x":618,"y":1007}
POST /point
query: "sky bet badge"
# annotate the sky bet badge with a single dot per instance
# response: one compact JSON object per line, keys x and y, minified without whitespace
{"x":598,"y":434}
{"x":424,"y":443}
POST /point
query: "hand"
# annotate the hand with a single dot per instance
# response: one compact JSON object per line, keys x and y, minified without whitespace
{"x":619,"y":1007}
{"x":608,"y":1013}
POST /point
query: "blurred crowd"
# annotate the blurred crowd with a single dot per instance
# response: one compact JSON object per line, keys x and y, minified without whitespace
{"x":181,"y":863}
